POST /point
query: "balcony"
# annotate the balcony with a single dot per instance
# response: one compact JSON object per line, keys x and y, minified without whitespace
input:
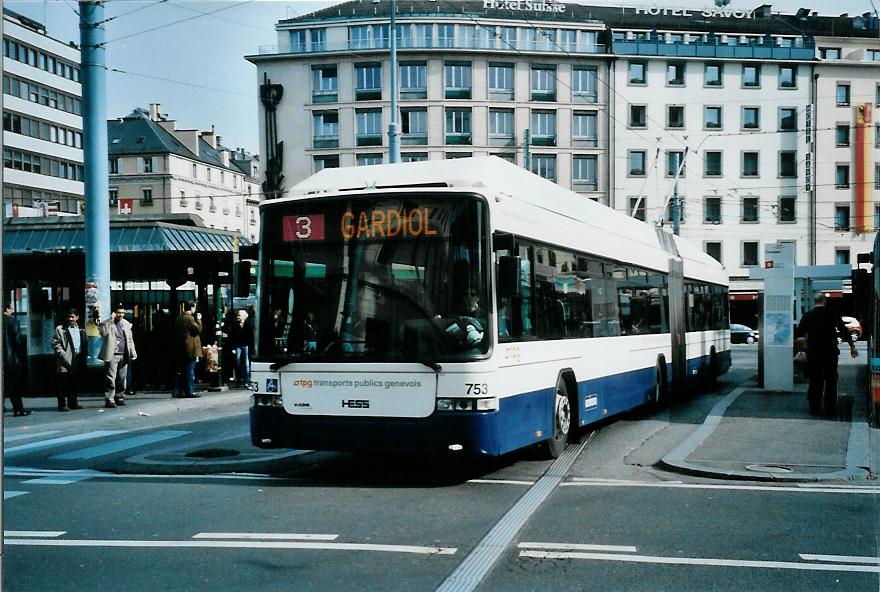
{"x":501,"y":46}
{"x":700,"y":49}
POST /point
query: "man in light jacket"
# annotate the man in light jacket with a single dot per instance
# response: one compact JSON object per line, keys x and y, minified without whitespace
{"x":71,"y":350}
{"x":118,"y":350}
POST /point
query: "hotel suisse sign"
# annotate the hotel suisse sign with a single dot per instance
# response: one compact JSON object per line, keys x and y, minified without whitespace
{"x":525,"y":5}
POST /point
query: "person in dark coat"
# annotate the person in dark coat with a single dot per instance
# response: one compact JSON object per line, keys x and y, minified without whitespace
{"x":241,"y":341}
{"x":71,"y":351}
{"x":188,"y":350}
{"x":12,"y":362}
{"x":821,"y":326}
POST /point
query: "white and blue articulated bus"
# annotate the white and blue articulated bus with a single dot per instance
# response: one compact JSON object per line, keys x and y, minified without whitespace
{"x":469,"y":305}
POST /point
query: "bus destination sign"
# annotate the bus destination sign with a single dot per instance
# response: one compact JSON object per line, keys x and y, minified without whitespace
{"x":369,"y":224}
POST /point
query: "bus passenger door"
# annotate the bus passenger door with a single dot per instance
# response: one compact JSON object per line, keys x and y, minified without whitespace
{"x":677,"y":325}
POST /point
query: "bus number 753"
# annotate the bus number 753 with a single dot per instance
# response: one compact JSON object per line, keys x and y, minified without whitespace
{"x":476,"y":388}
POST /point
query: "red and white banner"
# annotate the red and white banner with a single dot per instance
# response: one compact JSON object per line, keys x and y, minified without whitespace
{"x":126,"y":207}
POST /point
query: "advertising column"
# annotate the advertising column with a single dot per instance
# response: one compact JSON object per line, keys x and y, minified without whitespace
{"x":778,"y":323}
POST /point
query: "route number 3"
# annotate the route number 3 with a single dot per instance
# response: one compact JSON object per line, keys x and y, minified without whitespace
{"x":476,"y":388}
{"x":303,"y":227}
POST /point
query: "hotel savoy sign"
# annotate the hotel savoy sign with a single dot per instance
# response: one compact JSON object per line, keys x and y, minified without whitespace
{"x":525,"y":5}
{"x":689,"y":12}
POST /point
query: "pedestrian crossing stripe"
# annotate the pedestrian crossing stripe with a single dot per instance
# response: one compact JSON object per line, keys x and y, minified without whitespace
{"x":65,"y":479}
{"x":15,"y":450}
{"x":119,"y":445}
{"x":10,"y":494}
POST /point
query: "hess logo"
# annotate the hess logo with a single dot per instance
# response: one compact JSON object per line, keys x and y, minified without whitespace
{"x":356,"y":403}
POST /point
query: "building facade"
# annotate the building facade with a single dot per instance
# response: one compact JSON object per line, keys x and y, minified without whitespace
{"x":754,"y":113}
{"x":42,"y":121}
{"x":156,"y":168}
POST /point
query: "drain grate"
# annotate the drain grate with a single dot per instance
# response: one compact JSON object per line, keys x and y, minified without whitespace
{"x":213,"y":453}
{"x":768,"y":468}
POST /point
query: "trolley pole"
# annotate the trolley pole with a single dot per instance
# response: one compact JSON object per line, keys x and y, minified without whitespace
{"x":393,"y":133}
{"x":97,"y":214}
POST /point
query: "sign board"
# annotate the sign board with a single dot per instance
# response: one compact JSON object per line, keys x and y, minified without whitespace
{"x":126,"y":206}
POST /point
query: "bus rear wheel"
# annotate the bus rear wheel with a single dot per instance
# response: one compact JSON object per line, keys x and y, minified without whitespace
{"x":555,"y":446}
{"x":659,"y":395}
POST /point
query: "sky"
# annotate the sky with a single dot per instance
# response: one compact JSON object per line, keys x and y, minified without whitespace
{"x":188,"y":55}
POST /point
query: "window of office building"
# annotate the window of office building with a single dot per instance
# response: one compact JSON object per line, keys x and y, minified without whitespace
{"x":543,"y":130}
{"x":713,"y":249}
{"x":670,"y":211}
{"x":713,"y":75}
{"x":413,"y":80}
{"x":584,"y":172}
{"x":458,"y":126}
{"x":749,"y":253}
{"x":457,"y":80}
{"x":369,"y":127}
{"x":842,"y":94}
{"x":638,"y":72}
{"x":788,"y":163}
{"x":841,"y":134}
{"x":788,"y":76}
{"x":114,"y":165}
{"x":368,"y":82}
{"x":545,"y":166}
{"x":712,"y":117}
{"x":675,"y":73}
{"x":751,"y":76}
{"x":637,"y":163}
{"x":638,"y":116}
{"x":751,"y":118}
{"x":413,"y":156}
{"x":501,"y":130}
{"x":749,"y":164}
{"x":674,"y":116}
{"x":841,"y":256}
{"x":368,"y":159}
{"x":749,"y":209}
{"x":712,"y":163}
{"x":326,"y":161}
{"x":841,"y":176}
{"x":324,"y":84}
{"x":584,"y":128}
{"x":414,"y":125}
{"x":841,"y":217}
{"x":543,"y":82}
{"x":787,"y":119}
{"x":147,"y":196}
{"x":674,"y":159}
{"x":829,"y":53}
{"x":787,"y":211}
{"x":585,"y":84}
{"x":501,"y":78}
{"x":712,"y":210}
{"x":326,"y":129}
{"x":445,"y":35}
{"x":637,"y":207}
{"x":318,"y":38}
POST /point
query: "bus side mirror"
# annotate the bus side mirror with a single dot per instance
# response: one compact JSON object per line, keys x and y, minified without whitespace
{"x":503,"y":241}
{"x":242,"y":273}
{"x":508,"y":276}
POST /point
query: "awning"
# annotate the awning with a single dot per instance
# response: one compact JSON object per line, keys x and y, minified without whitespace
{"x":742,"y":296}
{"x":54,"y":236}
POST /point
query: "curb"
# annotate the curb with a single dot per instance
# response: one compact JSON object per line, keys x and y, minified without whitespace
{"x":857,"y":456}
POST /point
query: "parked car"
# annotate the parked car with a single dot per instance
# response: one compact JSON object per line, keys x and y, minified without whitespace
{"x":854,"y":326}
{"x":742,"y":334}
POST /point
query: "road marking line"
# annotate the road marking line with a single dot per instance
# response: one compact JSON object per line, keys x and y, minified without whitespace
{"x":266,"y":536}
{"x":841,"y":558}
{"x":18,"y":437}
{"x":580,"y":482}
{"x":65,"y":479}
{"x":119,"y":445}
{"x":62,"y":440}
{"x":235,"y":545}
{"x":34,"y":533}
{"x":579,"y":547}
{"x":501,"y":481}
{"x":701,"y":561}
{"x":10,"y":494}
{"x":479,"y":562}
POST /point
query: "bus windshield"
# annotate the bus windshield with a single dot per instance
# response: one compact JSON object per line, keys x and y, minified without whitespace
{"x":375,"y":278}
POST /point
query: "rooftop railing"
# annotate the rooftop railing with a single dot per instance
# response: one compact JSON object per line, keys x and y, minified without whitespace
{"x":493,"y":44}
{"x":704,"y":49}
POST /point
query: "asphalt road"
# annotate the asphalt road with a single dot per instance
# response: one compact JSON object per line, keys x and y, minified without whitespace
{"x":123,"y":511}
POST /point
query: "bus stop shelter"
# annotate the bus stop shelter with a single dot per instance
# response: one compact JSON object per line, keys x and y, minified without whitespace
{"x":155,"y":264}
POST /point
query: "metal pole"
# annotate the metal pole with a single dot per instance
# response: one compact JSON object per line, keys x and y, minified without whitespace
{"x":676,"y":205}
{"x":393,"y":135}
{"x":97,"y":215}
{"x":528,"y":156}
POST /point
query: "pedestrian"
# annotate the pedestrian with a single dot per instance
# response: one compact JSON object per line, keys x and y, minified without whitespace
{"x":188,"y":349}
{"x":117,"y":353}
{"x":12,"y":362}
{"x":821,"y":326}
{"x":71,"y":351}
{"x":241,"y":339}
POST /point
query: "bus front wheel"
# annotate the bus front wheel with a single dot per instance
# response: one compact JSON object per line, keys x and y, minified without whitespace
{"x":561,"y":422}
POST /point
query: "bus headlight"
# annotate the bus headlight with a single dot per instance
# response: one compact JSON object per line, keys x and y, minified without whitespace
{"x":467,"y":404}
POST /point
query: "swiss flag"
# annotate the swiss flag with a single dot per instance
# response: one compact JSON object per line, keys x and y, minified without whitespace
{"x":126,"y":206}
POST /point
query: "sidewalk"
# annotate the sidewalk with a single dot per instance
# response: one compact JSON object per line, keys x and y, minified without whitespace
{"x":759,"y":435}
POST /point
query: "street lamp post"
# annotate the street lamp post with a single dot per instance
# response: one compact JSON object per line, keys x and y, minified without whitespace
{"x":393,"y":134}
